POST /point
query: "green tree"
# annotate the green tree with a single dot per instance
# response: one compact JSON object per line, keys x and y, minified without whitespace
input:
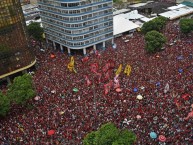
{"x":118,"y":2}
{"x":35,"y":30}
{"x":108,"y":134}
{"x":155,"y":24}
{"x":126,"y":137}
{"x":21,"y":90}
{"x":89,"y":139}
{"x":4,"y":105}
{"x":186,"y":25}
{"x":154,"y":41}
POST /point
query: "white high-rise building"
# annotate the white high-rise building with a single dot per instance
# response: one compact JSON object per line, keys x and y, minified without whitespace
{"x":77,"y":24}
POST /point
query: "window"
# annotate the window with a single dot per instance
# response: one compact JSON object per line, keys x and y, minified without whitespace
{"x":64,"y":5}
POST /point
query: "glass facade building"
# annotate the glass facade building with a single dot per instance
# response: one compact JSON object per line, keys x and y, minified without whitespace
{"x":77,"y":24}
{"x":15,"y":54}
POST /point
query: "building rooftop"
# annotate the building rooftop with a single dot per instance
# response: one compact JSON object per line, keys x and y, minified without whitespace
{"x":177,"y":13}
{"x":176,"y":7}
{"x":121,"y":25}
{"x":116,"y":12}
{"x":157,"y":7}
{"x":139,"y":4}
{"x":132,"y":15}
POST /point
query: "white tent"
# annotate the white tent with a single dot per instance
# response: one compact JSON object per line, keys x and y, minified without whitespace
{"x":121,"y":25}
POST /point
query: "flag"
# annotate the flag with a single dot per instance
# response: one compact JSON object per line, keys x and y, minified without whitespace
{"x":112,"y":64}
{"x":87,"y":80}
{"x":20,"y":127}
{"x":119,"y":70}
{"x":107,"y":74}
{"x":85,"y":59}
{"x":109,"y":65}
{"x":107,"y":87}
{"x":94,"y":67}
{"x":106,"y":67}
{"x":167,"y":88}
{"x":52,"y":56}
{"x":116,"y":82}
{"x":189,"y":115}
{"x":127,"y":70}
{"x":99,"y":77}
{"x":71,"y":65}
{"x":97,"y":54}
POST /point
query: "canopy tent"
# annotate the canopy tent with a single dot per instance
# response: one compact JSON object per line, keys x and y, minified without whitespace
{"x":121,"y":25}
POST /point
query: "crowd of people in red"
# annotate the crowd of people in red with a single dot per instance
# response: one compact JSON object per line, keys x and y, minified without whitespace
{"x":164,"y":80}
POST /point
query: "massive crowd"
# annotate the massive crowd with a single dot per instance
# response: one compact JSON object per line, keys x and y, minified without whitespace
{"x":162,"y":79}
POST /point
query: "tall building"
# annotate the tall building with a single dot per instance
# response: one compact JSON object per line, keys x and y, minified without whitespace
{"x":15,"y":55}
{"x":77,"y":24}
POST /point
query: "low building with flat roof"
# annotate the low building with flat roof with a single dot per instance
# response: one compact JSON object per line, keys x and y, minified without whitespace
{"x":178,"y":11}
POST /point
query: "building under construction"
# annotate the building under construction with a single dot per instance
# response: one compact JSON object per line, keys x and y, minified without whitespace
{"x":15,"y":55}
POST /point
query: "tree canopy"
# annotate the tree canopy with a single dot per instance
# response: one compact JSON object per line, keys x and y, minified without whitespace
{"x":35,"y":30}
{"x":155,"y":24}
{"x":186,"y":25}
{"x":4,"y":104}
{"x":108,"y":134}
{"x":154,"y":41}
{"x":21,"y":90}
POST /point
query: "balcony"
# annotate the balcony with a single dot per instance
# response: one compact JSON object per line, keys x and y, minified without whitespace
{"x":84,"y":39}
{"x":80,"y":34}
{"x":77,"y":14}
{"x":78,"y":28}
{"x":75,"y":22}
{"x":84,"y":46}
{"x":77,"y":7}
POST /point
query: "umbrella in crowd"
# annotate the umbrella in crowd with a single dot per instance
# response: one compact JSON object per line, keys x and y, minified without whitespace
{"x":162,"y":138}
{"x":180,"y":70}
{"x":51,"y":132}
{"x":75,"y":90}
{"x":118,"y":90}
{"x":135,"y":90}
{"x":138,"y":116}
{"x":37,"y":98}
{"x":153,"y":135}
{"x":139,"y":97}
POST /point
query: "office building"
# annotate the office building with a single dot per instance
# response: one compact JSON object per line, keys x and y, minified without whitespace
{"x":77,"y":24}
{"x":15,"y":55}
